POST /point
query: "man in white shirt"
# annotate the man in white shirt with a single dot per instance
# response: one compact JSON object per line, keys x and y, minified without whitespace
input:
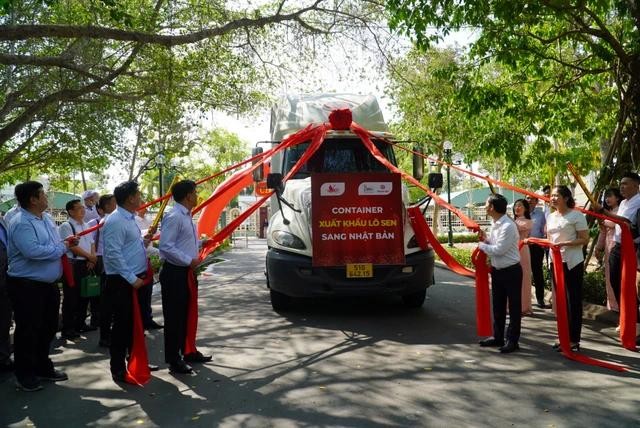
{"x":106,"y":205}
{"x":630,"y":191}
{"x":83,"y":259}
{"x":506,"y":274}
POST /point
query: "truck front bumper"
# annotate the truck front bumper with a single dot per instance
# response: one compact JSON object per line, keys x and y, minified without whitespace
{"x":294,"y":275}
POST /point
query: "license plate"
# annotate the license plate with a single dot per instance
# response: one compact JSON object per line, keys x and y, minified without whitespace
{"x":359,"y":270}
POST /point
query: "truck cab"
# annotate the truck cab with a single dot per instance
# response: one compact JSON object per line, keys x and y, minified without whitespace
{"x":290,"y":269}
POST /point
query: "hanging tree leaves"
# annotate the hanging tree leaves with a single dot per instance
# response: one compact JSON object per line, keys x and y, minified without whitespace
{"x":580,"y":62}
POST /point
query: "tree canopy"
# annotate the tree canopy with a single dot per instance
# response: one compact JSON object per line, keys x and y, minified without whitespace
{"x":147,"y":66}
{"x":567,"y":71}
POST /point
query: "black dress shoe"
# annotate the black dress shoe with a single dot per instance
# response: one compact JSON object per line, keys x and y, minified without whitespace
{"x":119,"y":377}
{"x":509,"y":347}
{"x":542,"y":306}
{"x":197,"y":357}
{"x":153,"y":368}
{"x":70,"y":335}
{"x":53,"y":376}
{"x":29,"y":384}
{"x":85,"y":328}
{"x":153,"y":326}
{"x":491,"y":341}
{"x":180,"y":367}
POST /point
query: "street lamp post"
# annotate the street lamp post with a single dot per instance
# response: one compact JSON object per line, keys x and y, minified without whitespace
{"x":447,"y":146}
{"x":160,"y":158}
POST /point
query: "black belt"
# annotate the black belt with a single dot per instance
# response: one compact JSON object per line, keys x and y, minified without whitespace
{"x":29,"y":281}
{"x":171,"y":265}
{"x":505,"y":268}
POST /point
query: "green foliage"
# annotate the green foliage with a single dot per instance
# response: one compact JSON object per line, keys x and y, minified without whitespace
{"x":542,"y":81}
{"x":216,"y":150}
{"x":459,"y":238}
{"x":70,"y":100}
{"x":594,"y":288}
{"x":156,"y":262}
{"x":462,"y":255}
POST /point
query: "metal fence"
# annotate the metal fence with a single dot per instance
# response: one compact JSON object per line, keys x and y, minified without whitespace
{"x":477,"y":214}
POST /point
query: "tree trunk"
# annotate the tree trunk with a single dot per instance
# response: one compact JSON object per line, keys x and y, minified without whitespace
{"x":84,"y":181}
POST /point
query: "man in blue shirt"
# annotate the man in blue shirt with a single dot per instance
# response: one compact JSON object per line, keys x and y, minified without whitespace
{"x":125,"y":263}
{"x":179,"y":249}
{"x":537,"y":252}
{"x":35,"y":249}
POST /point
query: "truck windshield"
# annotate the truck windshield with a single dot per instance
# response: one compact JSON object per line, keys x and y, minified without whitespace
{"x":338,"y":155}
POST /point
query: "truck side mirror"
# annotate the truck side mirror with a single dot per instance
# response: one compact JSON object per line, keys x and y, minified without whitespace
{"x":274,"y":181}
{"x":435,"y":180}
{"x":418,"y":163}
{"x":258,"y":173}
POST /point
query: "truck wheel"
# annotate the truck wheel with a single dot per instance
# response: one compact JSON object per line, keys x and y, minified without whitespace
{"x":414,"y":300}
{"x":280,"y":302}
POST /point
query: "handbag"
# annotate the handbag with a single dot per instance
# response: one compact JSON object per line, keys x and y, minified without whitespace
{"x":90,"y":285}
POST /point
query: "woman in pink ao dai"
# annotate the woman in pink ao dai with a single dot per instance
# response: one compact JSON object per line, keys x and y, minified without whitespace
{"x":524,"y":223}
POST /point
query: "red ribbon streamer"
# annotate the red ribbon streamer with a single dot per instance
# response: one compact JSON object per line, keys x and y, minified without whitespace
{"x":628,"y":293}
{"x":365,"y":137}
{"x":561,"y":311}
{"x":425,"y":236}
{"x":192,"y":314}
{"x":483,"y":301}
{"x":67,"y":271}
{"x":138,"y":372}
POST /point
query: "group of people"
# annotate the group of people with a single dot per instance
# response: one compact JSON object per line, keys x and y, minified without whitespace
{"x":513,"y":268}
{"x":115,"y":253}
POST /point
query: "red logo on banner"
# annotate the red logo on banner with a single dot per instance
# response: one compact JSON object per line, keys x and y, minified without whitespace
{"x":357,"y":218}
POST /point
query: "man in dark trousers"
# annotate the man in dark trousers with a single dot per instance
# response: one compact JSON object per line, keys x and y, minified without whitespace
{"x":506,"y":274}
{"x":536,"y":251}
{"x":35,"y":249}
{"x":106,"y":205}
{"x":125,"y":264}
{"x":179,"y":249}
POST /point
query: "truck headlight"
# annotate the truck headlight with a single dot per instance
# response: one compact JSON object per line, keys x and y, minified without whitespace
{"x":287,"y":239}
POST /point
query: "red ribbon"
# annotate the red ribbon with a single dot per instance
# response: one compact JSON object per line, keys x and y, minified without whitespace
{"x":483,"y":301}
{"x":365,"y":137}
{"x":148,"y":279}
{"x":425,"y":236}
{"x":67,"y":271}
{"x":628,"y":292}
{"x":192,"y":314}
{"x":138,"y":372}
{"x":561,"y":310}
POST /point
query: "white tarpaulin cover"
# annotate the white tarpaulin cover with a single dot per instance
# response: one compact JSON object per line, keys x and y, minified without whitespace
{"x":294,"y":112}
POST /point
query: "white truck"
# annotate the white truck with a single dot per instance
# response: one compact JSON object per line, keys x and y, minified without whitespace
{"x":290,"y":271}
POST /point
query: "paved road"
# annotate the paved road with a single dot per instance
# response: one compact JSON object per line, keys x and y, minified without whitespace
{"x":356,"y":363}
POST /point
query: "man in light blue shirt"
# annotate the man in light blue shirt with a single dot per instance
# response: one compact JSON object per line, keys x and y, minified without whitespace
{"x":179,"y":249}
{"x":35,"y":249}
{"x":537,"y":252}
{"x":125,"y":263}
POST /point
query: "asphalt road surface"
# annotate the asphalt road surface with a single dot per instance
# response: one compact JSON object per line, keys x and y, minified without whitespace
{"x":348,"y":363}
